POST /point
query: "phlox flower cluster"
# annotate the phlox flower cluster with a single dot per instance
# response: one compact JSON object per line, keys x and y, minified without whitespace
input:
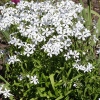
{"x":84,"y":68}
{"x":72,"y":54}
{"x":32,"y":79}
{"x":53,"y":24}
{"x":6,"y":93}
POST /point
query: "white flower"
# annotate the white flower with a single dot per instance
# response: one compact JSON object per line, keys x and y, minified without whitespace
{"x":67,"y":43}
{"x":84,"y":53}
{"x":70,"y":52}
{"x":28,"y":49}
{"x":32,"y":47}
{"x":33,"y":79}
{"x":74,"y":85}
{"x":28,"y":76}
{"x":47,"y":32}
{"x":15,"y":41}
{"x":84,"y":68}
{"x":79,"y":7}
{"x":97,"y":30}
{"x":79,"y":26}
{"x":98,"y":51}
{"x":67,"y":56}
{"x":6,"y":93}
{"x":95,"y":39}
{"x":85,"y":34}
{"x":13,"y":59}
{"x":20,"y":77}
{"x":77,"y":60}
{"x":89,"y":68}
{"x":1,"y":52}
{"x":74,"y":53}
{"x":79,"y":67}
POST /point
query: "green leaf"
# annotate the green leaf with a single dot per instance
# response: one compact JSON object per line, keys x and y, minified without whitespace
{"x":95,"y":13}
{"x":98,"y":27}
{"x":81,"y":3}
{"x":12,"y":98}
{"x":60,"y":97}
{"x":4,"y":80}
{"x":76,"y":77}
{"x":69,"y":72}
{"x":6,"y":35}
{"x":86,"y":89}
{"x":17,"y":84}
{"x":59,"y":83}
{"x":50,"y":94}
{"x":52,"y":80}
{"x":7,"y":67}
{"x":33,"y":99}
{"x":96,"y":96}
{"x":67,"y":93}
{"x":23,"y":70}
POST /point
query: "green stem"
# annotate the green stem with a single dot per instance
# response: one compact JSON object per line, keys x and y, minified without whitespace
{"x":89,"y":13}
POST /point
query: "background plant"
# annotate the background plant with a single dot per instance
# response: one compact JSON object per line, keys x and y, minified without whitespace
{"x":40,"y":65}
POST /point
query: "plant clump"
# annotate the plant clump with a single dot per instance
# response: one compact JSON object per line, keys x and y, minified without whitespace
{"x":49,"y":43}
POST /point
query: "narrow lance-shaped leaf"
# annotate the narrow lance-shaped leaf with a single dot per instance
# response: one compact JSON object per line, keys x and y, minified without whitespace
{"x":3,"y":80}
{"x":52,"y":80}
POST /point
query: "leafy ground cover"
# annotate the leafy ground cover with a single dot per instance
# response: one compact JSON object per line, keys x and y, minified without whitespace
{"x":45,"y":75}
